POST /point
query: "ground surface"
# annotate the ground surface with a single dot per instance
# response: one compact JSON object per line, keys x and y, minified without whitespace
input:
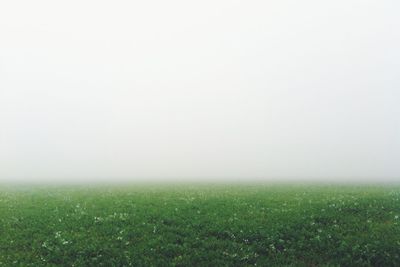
{"x":201,"y":226}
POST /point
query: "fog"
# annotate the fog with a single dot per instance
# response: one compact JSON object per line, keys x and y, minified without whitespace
{"x":199,"y":90}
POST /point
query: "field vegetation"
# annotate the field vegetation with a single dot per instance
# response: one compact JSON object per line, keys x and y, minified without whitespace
{"x":199,"y":225}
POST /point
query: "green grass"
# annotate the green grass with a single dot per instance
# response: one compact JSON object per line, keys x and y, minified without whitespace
{"x":186,"y":225}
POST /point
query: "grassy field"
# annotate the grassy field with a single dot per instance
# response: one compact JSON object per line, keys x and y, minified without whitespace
{"x":188,"y":225}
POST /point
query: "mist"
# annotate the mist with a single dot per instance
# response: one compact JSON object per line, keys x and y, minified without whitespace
{"x":208,"y":90}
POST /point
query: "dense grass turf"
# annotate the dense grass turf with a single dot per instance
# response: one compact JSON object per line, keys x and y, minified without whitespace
{"x":201,"y":226}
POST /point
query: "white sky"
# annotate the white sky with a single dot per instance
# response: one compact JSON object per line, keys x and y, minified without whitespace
{"x":199,"y":89}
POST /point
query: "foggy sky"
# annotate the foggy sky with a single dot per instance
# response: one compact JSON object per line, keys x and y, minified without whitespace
{"x":199,"y":89}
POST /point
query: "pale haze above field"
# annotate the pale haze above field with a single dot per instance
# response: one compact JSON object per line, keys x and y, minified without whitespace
{"x":109,"y":90}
